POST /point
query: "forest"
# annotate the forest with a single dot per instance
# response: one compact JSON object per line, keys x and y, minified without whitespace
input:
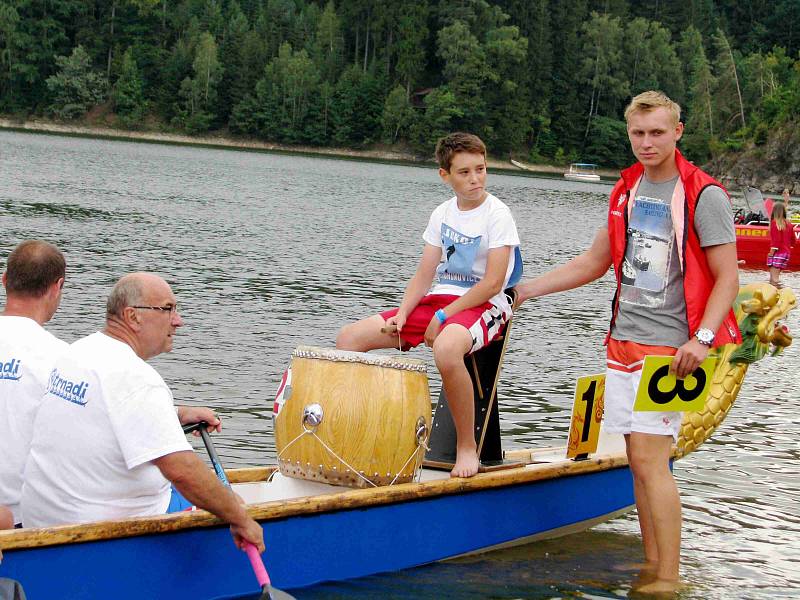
{"x":543,"y":80}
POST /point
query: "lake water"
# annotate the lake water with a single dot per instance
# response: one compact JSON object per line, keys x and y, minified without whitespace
{"x":267,"y":251}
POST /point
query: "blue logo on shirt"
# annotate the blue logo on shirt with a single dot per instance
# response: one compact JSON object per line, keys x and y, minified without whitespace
{"x":10,"y":370}
{"x":66,"y":389}
{"x":460,"y":252}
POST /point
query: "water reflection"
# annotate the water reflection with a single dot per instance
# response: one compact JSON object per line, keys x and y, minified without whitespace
{"x":267,"y":252}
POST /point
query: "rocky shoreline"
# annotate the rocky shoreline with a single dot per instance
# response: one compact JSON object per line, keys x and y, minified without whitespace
{"x":770,"y":167}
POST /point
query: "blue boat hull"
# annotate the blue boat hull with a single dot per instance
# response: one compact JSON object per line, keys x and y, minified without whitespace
{"x":306,"y":549}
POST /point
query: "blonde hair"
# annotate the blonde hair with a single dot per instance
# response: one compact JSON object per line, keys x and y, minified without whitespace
{"x":651,"y":100}
{"x":779,"y":215}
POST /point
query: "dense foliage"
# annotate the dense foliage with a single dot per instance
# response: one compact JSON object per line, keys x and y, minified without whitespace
{"x":542,"y":79}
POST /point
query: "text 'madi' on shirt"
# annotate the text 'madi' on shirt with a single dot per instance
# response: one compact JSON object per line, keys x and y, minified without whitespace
{"x":106,"y":415}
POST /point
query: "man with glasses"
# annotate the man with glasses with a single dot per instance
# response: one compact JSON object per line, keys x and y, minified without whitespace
{"x":108,"y":440}
{"x":33,"y":280}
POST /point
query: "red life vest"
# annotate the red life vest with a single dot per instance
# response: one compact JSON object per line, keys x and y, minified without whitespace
{"x":697,"y":278}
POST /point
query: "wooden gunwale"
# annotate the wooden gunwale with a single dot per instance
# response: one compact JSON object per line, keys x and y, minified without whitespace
{"x":283,"y":509}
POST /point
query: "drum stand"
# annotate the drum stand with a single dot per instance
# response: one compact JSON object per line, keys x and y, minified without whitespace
{"x":484,"y":370}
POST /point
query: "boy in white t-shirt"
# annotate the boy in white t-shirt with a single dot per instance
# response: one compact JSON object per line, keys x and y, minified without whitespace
{"x":470,"y":257}
{"x":33,"y":280}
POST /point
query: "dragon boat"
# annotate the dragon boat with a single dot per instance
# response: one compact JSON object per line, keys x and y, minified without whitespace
{"x":316,"y":531}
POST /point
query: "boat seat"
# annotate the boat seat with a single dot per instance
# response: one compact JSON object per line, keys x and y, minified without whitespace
{"x":484,"y":368}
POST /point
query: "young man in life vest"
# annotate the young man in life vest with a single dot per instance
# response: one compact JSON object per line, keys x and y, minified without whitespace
{"x":671,"y":240}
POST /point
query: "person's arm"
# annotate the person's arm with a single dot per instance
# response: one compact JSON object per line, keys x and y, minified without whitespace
{"x":188,"y":415}
{"x":489,"y":286}
{"x":200,"y":486}
{"x":591,"y":265}
{"x":725,"y":271}
{"x":774,"y":238}
{"x":418,"y":285}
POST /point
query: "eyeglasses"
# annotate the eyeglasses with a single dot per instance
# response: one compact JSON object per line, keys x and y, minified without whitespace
{"x":172,"y":308}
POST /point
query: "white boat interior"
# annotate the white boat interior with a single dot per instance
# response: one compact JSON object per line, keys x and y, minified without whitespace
{"x":281,"y":487}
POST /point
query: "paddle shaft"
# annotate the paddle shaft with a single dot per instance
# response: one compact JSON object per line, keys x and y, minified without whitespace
{"x":252,"y":552}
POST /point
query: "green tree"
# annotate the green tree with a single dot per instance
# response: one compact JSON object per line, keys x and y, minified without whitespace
{"x":236,"y":80}
{"x":128,"y":93}
{"x":728,"y":104}
{"x":9,"y":20}
{"x":412,"y":34}
{"x":398,"y":115}
{"x":76,"y":87}
{"x":441,"y":112}
{"x":602,"y":67}
{"x":198,"y":94}
{"x":508,"y":113}
{"x":466,"y":71}
{"x":607,"y":142}
{"x":701,"y":85}
{"x":567,"y":121}
{"x":536,"y":87}
{"x":328,"y":46}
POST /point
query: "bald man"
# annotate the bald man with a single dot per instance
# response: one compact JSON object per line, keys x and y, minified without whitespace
{"x":108,"y":440}
{"x":33,"y":280}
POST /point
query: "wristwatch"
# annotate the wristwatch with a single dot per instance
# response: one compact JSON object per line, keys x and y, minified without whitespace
{"x":705,"y":337}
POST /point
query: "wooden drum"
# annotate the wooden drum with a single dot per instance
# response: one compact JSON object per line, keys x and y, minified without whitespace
{"x":352,"y":418}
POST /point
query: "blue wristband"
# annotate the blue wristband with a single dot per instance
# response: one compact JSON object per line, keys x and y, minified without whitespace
{"x":441,"y":316}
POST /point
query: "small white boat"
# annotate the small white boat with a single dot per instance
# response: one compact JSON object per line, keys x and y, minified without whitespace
{"x":582,"y":172}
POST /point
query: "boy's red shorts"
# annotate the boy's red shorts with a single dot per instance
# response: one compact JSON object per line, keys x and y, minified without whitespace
{"x":484,"y":322}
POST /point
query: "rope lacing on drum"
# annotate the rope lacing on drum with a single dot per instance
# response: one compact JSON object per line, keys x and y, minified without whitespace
{"x":416,"y":453}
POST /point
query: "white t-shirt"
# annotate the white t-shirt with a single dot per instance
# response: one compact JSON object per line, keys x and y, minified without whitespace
{"x":106,"y":414}
{"x":465,"y":237}
{"x":27,"y":354}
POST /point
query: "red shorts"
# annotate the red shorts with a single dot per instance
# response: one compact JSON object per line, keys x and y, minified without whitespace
{"x":484,"y":322}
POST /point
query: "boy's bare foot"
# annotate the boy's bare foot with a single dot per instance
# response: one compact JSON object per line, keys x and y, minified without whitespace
{"x":467,"y":464}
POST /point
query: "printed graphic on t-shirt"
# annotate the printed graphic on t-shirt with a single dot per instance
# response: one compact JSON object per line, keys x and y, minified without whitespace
{"x":647,"y":257}
{"x":10,"y":369}
{"x":72,"y":391}
{"x":459,"y":256}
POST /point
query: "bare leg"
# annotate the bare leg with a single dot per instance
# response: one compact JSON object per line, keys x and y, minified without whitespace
{"x":775,"y":276}
{"x":449,"y":349}
{"x":658,"y":496}
{"x":645,"y":518}
{"x":6,"y":518}
{"x":365,"y":335}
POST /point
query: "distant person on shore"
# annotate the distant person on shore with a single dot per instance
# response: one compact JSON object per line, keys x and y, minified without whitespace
{"x":781,"y":235}
{"x":667,"y":212}
{"x":455,"y":302}
{"x":108,"y":440}
{"x":33,"y":280}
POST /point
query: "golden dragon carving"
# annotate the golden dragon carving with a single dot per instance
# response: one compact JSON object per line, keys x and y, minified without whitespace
{"x":759,"y":309}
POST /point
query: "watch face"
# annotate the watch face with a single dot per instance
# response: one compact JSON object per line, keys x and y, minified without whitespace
{"x":705,"y":336}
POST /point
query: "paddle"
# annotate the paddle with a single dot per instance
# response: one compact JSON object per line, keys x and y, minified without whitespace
{"x":267,"y":591}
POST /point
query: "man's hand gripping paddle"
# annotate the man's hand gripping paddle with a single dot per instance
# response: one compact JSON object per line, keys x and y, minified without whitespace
{"x":267,"y":591}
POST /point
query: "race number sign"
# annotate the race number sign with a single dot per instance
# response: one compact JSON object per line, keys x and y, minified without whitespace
{"x":660,"y":390}
{"x":587,"y":412}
